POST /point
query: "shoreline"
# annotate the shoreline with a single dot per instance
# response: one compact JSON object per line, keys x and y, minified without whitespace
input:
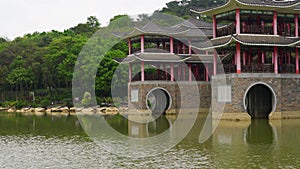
{"x":73,"y":111}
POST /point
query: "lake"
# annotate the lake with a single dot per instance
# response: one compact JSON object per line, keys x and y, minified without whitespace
{"x":62,"y":142}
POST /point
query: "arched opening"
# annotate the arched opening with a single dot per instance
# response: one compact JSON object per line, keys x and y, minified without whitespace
{"x":259,"y":101}
{"x":158,"y":100}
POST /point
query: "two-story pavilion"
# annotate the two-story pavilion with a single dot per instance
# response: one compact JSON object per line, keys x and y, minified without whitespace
{"x":261,"y":39}
{"x":161,"y":58}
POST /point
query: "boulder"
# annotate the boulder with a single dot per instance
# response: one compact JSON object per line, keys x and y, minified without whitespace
{"x":11,"y":110}
{"x":112,"y":111}
{"x":88,"y":111}
{"x":40,"y":109}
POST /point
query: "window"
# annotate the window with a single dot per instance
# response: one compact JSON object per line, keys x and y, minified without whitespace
{"x":224,"y":94}
{"x":134,"y":95}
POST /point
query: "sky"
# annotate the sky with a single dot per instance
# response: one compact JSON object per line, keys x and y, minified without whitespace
{"x":19,"y":17}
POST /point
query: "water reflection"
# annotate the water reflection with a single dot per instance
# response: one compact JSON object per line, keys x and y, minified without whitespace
{"x":260,"y":132}
{"x":153,"y":125}
{"x":17,"y":124}
{"x":243,"y":144}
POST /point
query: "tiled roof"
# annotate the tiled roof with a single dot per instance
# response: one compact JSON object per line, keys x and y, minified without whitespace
{"x":200,"y":58}
{"x":187,"y":29}
{"x":166,"y":57}
{"x":197,"y":23}
{"x":248,"y":39}
{"x":214,"y":43}
{"x":128,"y":59}
{"x":278,"y":5}
{"x":266,"y":40}
{"x":160,"y":57}
{"x":270,"y":2}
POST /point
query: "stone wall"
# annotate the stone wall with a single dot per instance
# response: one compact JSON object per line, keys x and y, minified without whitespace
{"x":290,"y":89}
{"x":285,"y":87}
{"x":184,"y":94}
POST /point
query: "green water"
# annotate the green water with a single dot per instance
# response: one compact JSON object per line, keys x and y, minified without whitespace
{"x":60,"y":142}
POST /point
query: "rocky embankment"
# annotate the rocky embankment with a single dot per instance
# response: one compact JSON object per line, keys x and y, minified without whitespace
{"x":65,"y":111}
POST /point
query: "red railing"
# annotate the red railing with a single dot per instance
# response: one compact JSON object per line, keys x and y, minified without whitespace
{"x":257,"y":29}
{"x":260,"y":68}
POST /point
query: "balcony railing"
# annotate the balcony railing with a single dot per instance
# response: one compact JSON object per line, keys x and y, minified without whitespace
{"x":228,"y":30}
{"x":260,"y":68}
{"x":163,"y":77}
{"x":258,"y":29}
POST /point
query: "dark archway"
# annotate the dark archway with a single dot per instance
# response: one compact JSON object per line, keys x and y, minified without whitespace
{"x":158,"y":101}
{"x":259,"y":101}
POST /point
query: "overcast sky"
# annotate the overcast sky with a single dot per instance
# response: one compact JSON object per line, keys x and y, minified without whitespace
{"x":19,"y":17}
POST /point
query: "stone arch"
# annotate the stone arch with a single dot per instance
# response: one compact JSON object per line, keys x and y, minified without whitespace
{"x":260,"y":100}
{"x":158,"y":100}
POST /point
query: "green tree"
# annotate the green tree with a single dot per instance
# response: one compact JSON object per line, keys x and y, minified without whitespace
{"x":20,"y":76}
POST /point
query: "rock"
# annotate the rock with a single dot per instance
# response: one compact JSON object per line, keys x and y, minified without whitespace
{"x":73,"y":111}
{"x":39,"y":113}
{"x":40,"y":109}
{"x":88,"y":111}
{"x":11,"y":110}
{"x":19,"y":111}
{"x":123,"y":110}
{"x":65,"y":111}
{"x":102,"y":110}
{"x":48,"y":111}
{"x":112,"y":110}
{"x":25,"y":110}
{"x":55,"y":109}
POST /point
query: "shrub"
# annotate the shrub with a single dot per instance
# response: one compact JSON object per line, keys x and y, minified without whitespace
{"x":86,"y":101}
{"x":45,"y":103}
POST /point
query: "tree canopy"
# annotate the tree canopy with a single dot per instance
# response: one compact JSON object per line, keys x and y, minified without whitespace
{"x":44,"y":61}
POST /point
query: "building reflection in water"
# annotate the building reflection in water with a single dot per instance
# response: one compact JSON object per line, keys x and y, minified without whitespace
{"x":149,"y":126}
{"x":260,"y":132}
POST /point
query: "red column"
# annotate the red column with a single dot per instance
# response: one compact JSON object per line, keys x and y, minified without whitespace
{"x":190,"y":72}
{"x":171,"y":45}
{"x":296,"y":25}
{"x":238,"y":21}
{"x":130,"y":73}
{"x":259,"y":56}
{"x":238,"y":58}
{"x":190,"y":47}
{"x":275,"y":23}
{"x":142,"y":43}
{"x":129,"y":46}
{"x":263,"y":57}
{"x":143,"y":71}
{"x":275,"y":60}
{"x":215,"y":62}
{"x":183,"y":49}
{"x":214,"y":26}
{"x":297,"y":60}
{"x":172,"y":72}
